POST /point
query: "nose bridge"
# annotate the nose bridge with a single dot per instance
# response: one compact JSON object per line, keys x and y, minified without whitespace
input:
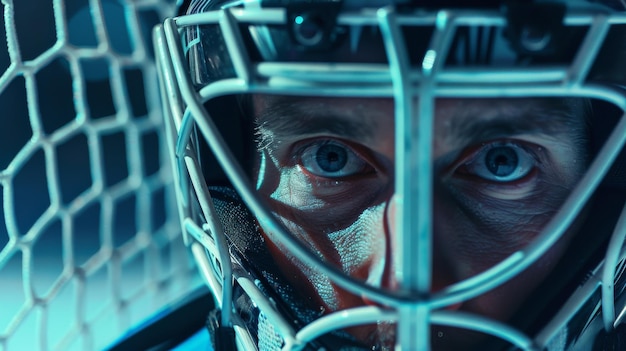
{"x":389,"y":279}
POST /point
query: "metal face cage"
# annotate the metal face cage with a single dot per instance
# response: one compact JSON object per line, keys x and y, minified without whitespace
{"x":244,"y":63}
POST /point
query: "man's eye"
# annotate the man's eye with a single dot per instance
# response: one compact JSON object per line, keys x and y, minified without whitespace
{"x":500,"y":162}
{"x":332,"y":159}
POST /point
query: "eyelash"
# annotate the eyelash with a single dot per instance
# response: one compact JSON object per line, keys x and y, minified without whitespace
{"x":307,"y":156}
{"x":471,"y":164}
{"x":526,"y":166}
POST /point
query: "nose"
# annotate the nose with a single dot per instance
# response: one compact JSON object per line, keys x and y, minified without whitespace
{"x":442,"y":273}
{"x":389,"y":278}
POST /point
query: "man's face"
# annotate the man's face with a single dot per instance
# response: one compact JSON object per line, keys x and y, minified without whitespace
{"x":502,"y":168}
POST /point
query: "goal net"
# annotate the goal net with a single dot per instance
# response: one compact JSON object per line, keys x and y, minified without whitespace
{"x":89,"y":239}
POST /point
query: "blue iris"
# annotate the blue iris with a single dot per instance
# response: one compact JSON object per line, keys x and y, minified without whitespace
{"x":331,"y":158}
{"x":501,"y":161}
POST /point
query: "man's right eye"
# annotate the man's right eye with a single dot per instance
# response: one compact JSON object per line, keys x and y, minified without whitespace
{"x":332,"y":159}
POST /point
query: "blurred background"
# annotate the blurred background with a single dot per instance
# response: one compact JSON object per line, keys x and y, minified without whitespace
{"x":89,"y":234}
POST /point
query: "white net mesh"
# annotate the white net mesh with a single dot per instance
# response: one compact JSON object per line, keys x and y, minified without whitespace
{"x":89,"y":239}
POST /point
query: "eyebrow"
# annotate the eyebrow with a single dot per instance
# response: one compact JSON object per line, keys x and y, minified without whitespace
{"x":550,"y":116}
{"x":288,"y":116}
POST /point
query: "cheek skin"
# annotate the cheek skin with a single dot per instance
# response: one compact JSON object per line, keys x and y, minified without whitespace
{"x":344,"y":228}
{"x":475,"y":231}
{"x":502,"y":302}
{"x":358,"y":250}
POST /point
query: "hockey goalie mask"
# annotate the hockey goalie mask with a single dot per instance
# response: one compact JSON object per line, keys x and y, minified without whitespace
{"x":384,"y":175}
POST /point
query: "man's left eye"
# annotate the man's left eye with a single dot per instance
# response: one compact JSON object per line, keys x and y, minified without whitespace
{"x":500,"y":162}
{"x":332,"y":159}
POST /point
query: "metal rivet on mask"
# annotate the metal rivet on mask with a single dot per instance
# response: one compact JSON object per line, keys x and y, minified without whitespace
{"x":308,"y":29}
{"x":535,"y":39}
